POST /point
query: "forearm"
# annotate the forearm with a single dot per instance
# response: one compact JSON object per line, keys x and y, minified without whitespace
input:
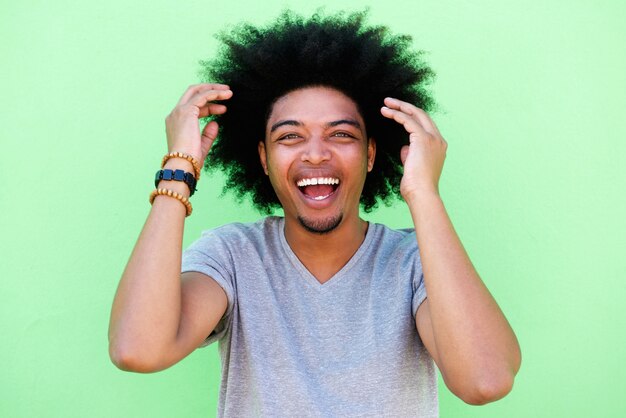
{"x":146,"y":310}
{"x":473,"y":339}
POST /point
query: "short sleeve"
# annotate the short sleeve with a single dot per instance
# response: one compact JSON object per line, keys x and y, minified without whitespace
{"x":419,"y":293}
{"x":419,"y":288}
{"x":210,"y":255}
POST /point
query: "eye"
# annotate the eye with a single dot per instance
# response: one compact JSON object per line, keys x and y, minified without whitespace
{"x":289,"y":138}
{"x":343,"y":136}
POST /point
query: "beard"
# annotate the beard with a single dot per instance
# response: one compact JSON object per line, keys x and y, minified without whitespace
{"x":320,"y":226}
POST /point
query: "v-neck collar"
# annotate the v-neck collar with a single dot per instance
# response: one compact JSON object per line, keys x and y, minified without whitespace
{"x":336,"y":278}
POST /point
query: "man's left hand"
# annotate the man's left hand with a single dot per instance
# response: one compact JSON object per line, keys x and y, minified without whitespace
{"x":424,"y":156}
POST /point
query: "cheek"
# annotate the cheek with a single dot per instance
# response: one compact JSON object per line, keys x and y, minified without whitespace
{"x":277,"y":170}
{"x":358,"y":159}
{"x":274,"y":177}
{"x":280,"y":159}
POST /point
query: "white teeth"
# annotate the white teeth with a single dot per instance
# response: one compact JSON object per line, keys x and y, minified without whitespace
{"x":321,"y":197}
{"x":317,"y":180}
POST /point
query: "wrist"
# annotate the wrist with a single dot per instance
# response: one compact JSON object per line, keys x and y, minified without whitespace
{"x":420,"y":194}
{"x":424,"y":208}
{"x":176,"y":175}
{"x":183,"y":156}
{"x":179,"y":164}
{"x":175,"y":186}
{"x":170,"y":194}
{"x":418,"y":201}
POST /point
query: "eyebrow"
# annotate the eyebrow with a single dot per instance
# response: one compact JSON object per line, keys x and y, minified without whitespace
{"x":283,"y":123}
{"x":351,"y":122}
{"x":332,"y":124}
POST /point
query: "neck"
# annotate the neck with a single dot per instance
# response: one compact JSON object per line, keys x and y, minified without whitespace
{"x":325,"y":254}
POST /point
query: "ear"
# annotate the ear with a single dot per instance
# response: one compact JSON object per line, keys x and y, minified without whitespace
{"x":371,"y":154}
{"x":263,"y":156}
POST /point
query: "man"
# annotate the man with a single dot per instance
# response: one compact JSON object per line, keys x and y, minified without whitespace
{"x":318,"y":313}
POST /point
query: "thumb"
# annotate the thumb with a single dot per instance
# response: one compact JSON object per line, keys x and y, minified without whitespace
{"x":404,"y":152}
{"x":209,"y":133}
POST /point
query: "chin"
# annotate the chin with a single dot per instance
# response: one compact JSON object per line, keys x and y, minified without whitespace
{"x":321,"y":226}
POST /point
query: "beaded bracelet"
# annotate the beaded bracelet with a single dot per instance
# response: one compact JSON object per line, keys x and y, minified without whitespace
{"x":176,"y":175}
{"x":193,"y":161}
{"x":167,"y":192}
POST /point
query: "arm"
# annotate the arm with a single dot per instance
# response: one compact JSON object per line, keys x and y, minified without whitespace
{"x":460,"y":323}
{"x":157,"y":319}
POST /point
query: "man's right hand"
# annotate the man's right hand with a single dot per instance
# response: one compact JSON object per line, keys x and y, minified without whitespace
{"x":183,"y":132}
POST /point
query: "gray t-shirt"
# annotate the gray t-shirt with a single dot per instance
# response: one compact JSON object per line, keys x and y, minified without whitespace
{"x":292,"y":347}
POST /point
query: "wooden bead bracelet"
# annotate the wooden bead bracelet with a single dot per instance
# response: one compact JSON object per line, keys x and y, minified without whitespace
{"x":193,"y":161}
{"x":167,"y":192}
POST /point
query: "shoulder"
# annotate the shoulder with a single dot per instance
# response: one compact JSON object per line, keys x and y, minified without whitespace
{"x":394,"y":238}
{"x":237,"y":238}
{"x":245,"y":231}
{"x":394,"y":247}
{"x":232,"y":246}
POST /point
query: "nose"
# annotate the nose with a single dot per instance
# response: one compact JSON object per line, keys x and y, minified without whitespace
{"x":316,"y":151}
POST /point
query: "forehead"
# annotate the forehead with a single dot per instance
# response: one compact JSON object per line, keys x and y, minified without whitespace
{"x":313,"y":105}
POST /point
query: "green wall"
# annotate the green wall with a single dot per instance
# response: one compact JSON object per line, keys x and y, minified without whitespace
{"x":533,"y":100}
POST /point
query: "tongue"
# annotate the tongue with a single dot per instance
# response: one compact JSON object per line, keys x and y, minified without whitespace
{"x":317,"y":190}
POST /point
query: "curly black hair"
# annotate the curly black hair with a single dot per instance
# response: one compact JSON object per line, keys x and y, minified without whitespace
{"x":261,"y":64}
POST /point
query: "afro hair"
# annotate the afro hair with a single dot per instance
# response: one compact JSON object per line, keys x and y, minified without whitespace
{"x":261,"y":64}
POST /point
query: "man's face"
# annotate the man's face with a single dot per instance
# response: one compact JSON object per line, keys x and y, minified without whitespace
{"x":317,"y":155}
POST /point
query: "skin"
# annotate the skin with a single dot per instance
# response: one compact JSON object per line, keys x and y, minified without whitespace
{"x":156,"y":321}
{"x":319,"y":141}
{"x":460,"y":323}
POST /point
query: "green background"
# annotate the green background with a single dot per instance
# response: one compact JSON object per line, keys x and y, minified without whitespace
{"x":532,"y":96}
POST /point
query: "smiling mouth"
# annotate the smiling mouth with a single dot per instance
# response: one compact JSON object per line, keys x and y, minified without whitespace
{"x":318,"y":188}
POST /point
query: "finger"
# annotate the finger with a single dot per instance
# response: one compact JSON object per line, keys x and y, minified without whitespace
{"x":212,"y":109}
{"x":411,"y":125}
{"x":202,"y":97}
{"x":414,"y":111}
{"x":194,"y":89}
{"x":210,"y":131}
